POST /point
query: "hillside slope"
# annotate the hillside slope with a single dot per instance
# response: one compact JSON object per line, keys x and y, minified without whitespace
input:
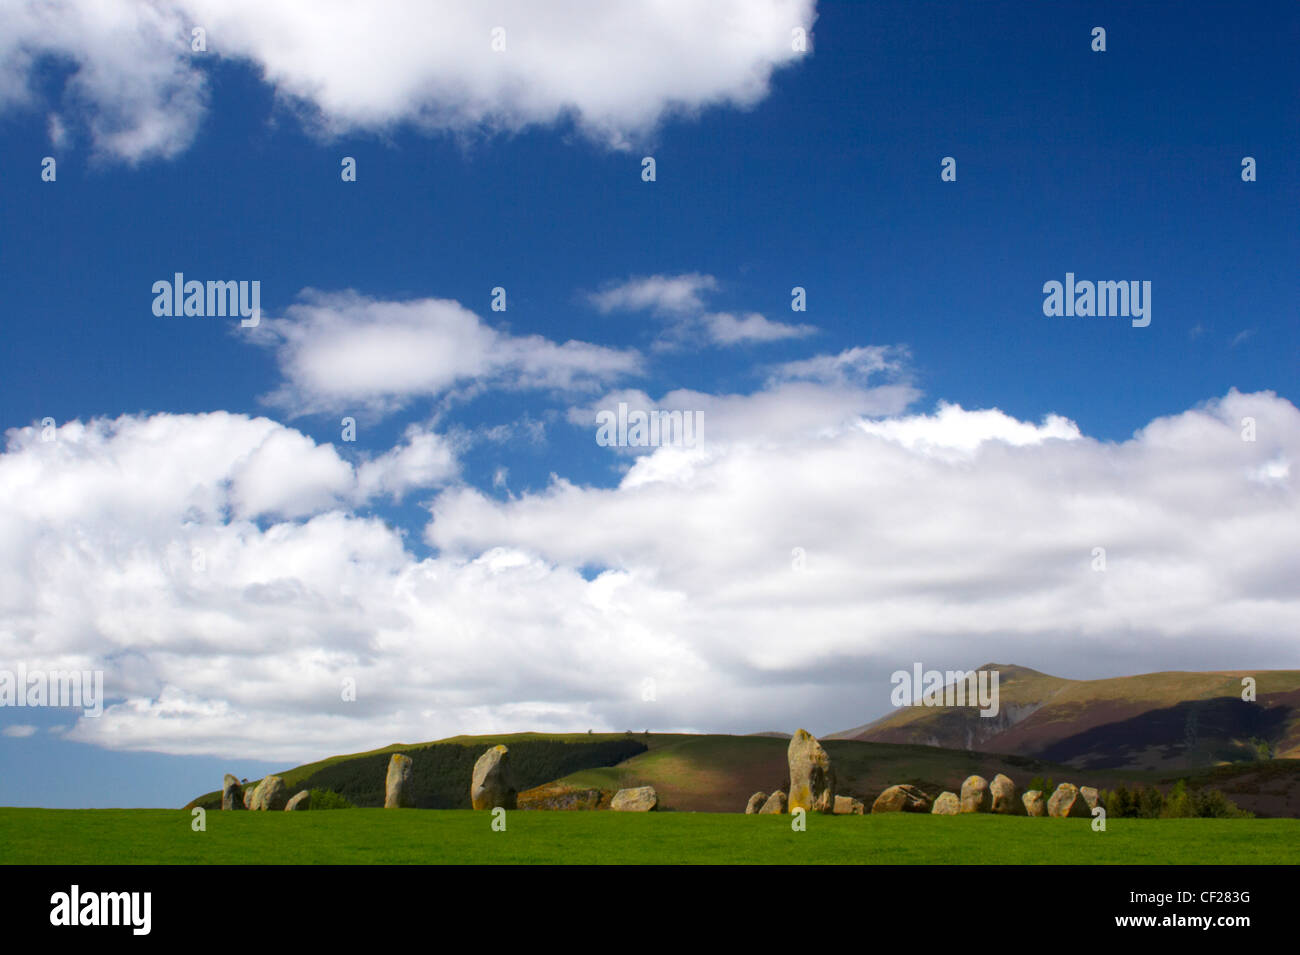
{"x":719,"y":773}
{"x":1156,"y":722}
{"x":442,"y":768}
{"x":1148,"y":729}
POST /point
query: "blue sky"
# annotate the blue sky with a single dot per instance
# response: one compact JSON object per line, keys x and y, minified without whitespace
{"x":1115,"y":165}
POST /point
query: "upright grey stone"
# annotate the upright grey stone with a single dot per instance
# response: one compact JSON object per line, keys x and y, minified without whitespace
{"x":397,"y":790}
{"x":232,"y":793}
{"x":1006,"y":796}
{"x":270,"y":795}
{"x":492,"y":785}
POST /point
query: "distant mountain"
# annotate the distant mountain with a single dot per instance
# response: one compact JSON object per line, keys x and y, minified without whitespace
{"x":1155,"y":722}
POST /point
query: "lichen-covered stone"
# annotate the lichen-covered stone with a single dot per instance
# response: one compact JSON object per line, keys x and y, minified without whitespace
{"x":552,"y":796}
{"x":975,"y":795}
{"x":848,"y":806}
{"x":1067,"y":802}
{"x":812,"y":779}
{"x":776,"y":804}
{"x":270,"y":795}
{"x":903,"y":798}
{"x":947,"y":804}
{"x":639,"y":799}
{"x":1035,"y":804}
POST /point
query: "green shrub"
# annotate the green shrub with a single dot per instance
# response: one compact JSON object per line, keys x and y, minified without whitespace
{"x":1213,"y":804}
{"x":1150,"y":803}
{"x":1179,"y":804}
{"x":1119,"y":802}
{"x":1263,"y":749}
{"x":328,"y":799}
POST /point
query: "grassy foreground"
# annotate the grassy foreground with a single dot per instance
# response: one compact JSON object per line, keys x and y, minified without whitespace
{"x":368,"y":836}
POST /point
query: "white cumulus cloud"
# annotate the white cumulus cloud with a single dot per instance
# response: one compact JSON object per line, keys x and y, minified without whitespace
{"x":616,"y":70}
{"x":952,"y":538}
{"x":347,"y":351}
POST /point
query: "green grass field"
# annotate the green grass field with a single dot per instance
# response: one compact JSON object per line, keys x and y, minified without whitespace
{"x":366,"y":836}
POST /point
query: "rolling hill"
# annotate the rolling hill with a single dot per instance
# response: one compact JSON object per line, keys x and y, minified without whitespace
{"x":1151,"y":729}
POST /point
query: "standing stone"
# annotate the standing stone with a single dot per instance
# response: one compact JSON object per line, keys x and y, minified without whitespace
{"x":1090,"y":796}
{"x":1035,"y":805}
{"x":299,"y":802}
{"x":776,"y":804}
{"x":812,"y":780}
{"x":559,"y":797}
{"x":397,"y":785}
{"x":901,"y":799}
{"x":848,"y":806}
{"x":248,"y":796}
{"x":492,"y":785}
{"x":1067,"y":802}
{"x":640,"y":799}
{"x":1006,"y":796}
{"x":755,"y":803}
{"x":946,"y":805}
{"x":975,"y":795}
{"x":270,"y":795}
{"x":232,"y":793}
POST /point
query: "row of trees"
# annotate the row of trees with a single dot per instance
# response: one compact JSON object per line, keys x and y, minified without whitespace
{"x":1148,"y":802}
